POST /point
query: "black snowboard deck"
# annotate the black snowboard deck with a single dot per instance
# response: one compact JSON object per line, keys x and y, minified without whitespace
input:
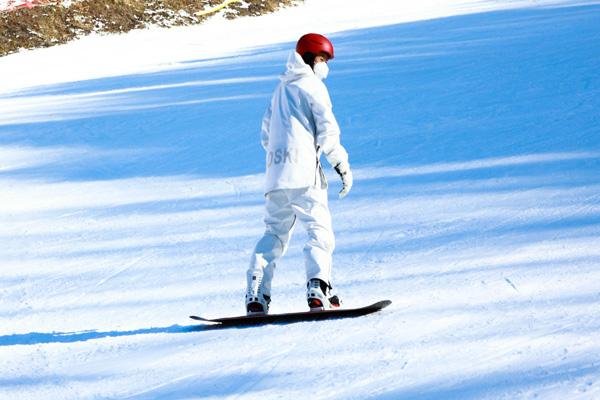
{"x":245,"y":320}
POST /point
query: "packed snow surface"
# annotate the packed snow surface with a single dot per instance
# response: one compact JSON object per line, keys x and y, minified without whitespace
{"x":131,"y":197}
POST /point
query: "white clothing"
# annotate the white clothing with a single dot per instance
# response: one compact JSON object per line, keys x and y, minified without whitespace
{"x":297,"y":127}
{"x":283,"y":208}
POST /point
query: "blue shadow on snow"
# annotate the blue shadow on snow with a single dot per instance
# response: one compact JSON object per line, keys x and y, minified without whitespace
{"x":460,"y":88}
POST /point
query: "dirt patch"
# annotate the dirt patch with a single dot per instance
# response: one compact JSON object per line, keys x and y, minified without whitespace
{"x":51,"y":24}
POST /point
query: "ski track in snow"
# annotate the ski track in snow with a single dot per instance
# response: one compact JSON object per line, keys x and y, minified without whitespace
{"x":132,"y":200}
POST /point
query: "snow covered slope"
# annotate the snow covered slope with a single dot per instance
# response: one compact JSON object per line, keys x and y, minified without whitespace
{"x":130,"y":187}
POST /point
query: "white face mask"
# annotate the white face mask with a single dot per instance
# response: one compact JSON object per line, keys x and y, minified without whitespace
{"x":321,"y":70}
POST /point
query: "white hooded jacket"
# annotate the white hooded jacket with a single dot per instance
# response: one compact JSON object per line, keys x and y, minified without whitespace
{"x":297,"y":128}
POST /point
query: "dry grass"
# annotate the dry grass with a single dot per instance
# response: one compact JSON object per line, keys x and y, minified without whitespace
{"x":48,"y":25}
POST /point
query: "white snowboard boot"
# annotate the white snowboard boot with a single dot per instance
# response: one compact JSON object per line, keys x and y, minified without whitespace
{"x":257,"y":302}
{"x":320,"y":297}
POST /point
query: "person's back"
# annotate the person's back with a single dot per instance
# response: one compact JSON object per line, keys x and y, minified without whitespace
{"x":290,"y":134}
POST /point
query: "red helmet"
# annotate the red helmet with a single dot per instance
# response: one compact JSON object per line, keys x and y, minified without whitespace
{"x":314,"y":43}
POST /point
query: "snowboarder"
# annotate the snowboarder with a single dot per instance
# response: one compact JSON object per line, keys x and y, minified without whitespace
{"x":297,"y":128}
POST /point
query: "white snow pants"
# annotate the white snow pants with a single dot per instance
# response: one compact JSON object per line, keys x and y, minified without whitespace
{"x":283,"y":208}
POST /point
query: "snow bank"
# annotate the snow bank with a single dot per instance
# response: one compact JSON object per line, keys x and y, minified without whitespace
{"x":158,"y":49}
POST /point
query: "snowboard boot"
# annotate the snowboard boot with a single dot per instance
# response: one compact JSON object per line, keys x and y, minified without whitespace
{"x":257,"y":305}
{"x":256,"y":301}
{"x":320,"y":297}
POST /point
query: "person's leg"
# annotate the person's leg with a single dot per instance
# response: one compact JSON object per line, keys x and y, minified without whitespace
{"x":279,"y":222}
{"x":311,"y":207}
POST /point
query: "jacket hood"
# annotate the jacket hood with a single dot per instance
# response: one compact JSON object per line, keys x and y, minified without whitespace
{"x":296,"y":68}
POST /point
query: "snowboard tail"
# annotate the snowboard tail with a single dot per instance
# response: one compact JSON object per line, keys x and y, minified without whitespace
{"x":245,"y":320}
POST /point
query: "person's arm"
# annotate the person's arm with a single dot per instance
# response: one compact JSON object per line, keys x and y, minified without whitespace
{"x":328,"y":137}
{"x":264,"y":131}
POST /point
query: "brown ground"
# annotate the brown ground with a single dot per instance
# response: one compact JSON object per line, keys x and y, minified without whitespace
{"x":47,"y":25}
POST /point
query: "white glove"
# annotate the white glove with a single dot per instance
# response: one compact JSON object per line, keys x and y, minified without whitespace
{"x":343,"y":170}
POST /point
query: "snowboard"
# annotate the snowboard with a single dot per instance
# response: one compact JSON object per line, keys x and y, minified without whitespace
{"x":245,"y":320}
